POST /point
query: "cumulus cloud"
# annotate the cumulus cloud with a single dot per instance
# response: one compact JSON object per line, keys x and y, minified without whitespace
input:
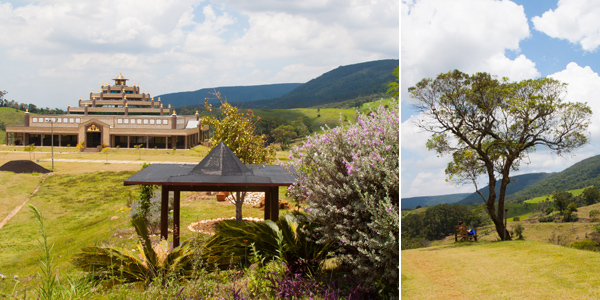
{"x":413,"y":138}
{"x":583,"y":86}
{"x":573,"y":20}
{"x":185,"y":44}
{"x":469,"y":35}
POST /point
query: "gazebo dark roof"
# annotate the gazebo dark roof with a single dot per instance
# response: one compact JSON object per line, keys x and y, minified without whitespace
{"x":221,"y":161}
{"x":220,"y":170}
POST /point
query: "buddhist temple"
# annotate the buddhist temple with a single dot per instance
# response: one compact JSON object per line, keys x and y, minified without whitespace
{"x":117,"y":115}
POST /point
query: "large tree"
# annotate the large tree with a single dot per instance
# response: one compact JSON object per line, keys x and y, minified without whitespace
{"x":489,"y":126}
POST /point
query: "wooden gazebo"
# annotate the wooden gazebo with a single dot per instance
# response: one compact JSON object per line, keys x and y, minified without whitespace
{"x":220,"y":170}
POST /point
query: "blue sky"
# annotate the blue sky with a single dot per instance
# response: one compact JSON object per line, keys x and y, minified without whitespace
{"x":516,"y":39}
{"x":53,"y":51}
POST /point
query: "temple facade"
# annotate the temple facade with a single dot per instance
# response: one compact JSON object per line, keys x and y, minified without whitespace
{"x":117,"y":115}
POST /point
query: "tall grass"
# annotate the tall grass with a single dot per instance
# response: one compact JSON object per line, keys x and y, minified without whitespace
{"x":48,"y":286}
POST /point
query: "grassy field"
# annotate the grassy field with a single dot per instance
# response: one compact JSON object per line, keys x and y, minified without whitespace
{"x":84,"y":204}
{"x":539,"y":199}
{"x":14,"y":189}
{"x":500,"y":270}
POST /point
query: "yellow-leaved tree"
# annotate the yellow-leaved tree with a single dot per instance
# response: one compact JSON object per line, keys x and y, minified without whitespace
{"x":237,"y":130}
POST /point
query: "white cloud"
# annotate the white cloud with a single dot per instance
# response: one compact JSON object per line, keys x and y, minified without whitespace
{"x":413,"y":138}
{"x":469,"y":35}
{"x":574,"y":20}
{"x":183,"y":45}
{"x":432,"y":183}
{"x":583,"y":86}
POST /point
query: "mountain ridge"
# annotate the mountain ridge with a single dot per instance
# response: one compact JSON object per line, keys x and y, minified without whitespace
{"x":340,"y":84}
{"x":231,"y":93}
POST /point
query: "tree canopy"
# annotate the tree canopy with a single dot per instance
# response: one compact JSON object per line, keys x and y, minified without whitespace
{"x":489,"y":126}
{"x":238,"y":131}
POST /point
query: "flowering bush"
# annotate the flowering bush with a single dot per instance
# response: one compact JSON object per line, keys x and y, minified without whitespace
{"x":349,"y":177}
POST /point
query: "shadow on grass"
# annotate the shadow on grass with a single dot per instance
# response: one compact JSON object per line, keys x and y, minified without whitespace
{"x":458,"y":245}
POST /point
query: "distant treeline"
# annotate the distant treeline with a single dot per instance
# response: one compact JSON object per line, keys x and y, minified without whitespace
{"x":277,"y":129}
{"x":31,"y":107}
{"x":438,"y":222}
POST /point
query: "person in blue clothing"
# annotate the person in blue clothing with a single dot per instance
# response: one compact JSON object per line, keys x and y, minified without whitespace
{"x":473,"y":233}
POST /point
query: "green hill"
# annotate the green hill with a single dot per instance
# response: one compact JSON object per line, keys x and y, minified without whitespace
{"x":231,"y":93}
{"x":8,"y":117}
{"x":412,"y":202}
{"x":517,"y":184}
{"x":341,"y":84}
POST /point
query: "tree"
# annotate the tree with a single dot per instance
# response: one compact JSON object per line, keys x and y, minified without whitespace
{"x":300,"y":127}
{"x":489,"y":126}
{"x":569,"y":216}
{"x":237,"y":131}
{"x":30,"y":149}
{"x":284,"y":134}
{"x":393,"y":86}
{"x":591,"y":195}
{"x":561,"y":201}
{"x":139,"y":147}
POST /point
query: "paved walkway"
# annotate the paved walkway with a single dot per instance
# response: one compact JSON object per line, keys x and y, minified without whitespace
{"x":113,"y":161}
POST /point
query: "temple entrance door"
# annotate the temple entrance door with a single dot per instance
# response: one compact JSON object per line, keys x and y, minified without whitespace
{"x":93,"y":139}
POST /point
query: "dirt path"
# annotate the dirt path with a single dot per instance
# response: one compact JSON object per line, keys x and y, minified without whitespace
{"x":113,"y":161}
{"x":18,"y":208}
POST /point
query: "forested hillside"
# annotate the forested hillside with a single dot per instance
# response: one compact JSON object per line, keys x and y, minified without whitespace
{"x":580,"y":175}
{"x":412,"y":202}
{"x":341,"y":84}
{"x":231,"y":93}
{"x":517,"y":184}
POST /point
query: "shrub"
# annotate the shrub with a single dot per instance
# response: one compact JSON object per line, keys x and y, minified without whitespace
{"x":519,"y":231}
{"x":569,"y":215}
{"x":594,"y":214}
{"x":150,"y":211}
{"x":286,"y":240}
{"x":586,"y":245}
{"x":548,"y":218}
{"x":349,"y":177}
{"x":516,"y":219}
{"x":152,"y":261}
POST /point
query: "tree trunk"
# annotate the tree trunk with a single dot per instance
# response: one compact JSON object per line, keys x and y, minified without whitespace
{"x":239,"y":200}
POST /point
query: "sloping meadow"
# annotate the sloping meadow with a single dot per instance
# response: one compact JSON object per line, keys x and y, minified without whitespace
{"x":79,"y":210}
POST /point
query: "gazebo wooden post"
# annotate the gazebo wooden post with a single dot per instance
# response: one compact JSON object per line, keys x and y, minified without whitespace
{"x":267,"y":204}
{"x":164,"y":214}
{"x":274,"y":207}
{"x":176,"y":222}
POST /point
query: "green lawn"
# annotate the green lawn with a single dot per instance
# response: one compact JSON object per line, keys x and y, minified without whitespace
{"x":500,"y":270}
{"x":84,"y":204}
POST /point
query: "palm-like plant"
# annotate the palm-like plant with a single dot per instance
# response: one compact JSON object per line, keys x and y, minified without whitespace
{"x":287,"y":240}
{"x":121,"y":265}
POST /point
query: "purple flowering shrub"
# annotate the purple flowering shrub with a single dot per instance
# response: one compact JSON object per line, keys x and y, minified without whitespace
{"x":349,"y":178}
